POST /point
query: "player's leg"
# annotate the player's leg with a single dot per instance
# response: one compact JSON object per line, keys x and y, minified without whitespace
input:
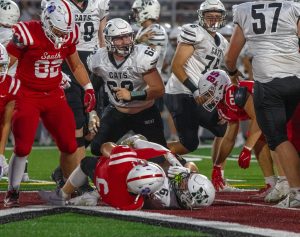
{"x":113,"y":126}
{"x":26,"y":113}
{"x":270,"y":107}
{"x":59,"y":121}
{"x":149,"y":124}
{"x":265,"y":161}
{"x":183,"y":111}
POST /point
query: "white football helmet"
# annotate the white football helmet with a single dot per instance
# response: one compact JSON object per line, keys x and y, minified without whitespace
{"x":143,"y":10}
{"x":212,"y":86}
{"x":212,"y":6}
{"x":114,"y":28}
{"x":58,"y":21}
{"x":9,"y":13}
{"x":4,"y":61}
{"x":194,"y":191}
{"x":145,"y":179}
{"x":44,"y":4}
{"x":227,"y":30}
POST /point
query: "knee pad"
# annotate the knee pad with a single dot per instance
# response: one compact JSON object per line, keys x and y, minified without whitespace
{"x":190,"y":142}
{"x":80,"y":141}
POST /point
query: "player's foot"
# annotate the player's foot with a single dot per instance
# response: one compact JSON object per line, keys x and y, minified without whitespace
{"x":53,"y":197}
{"x":11,"y":199}
{"x":57,"y":177}
{"x":87,"y":199}
{"x":292,"y":200}
{"x":3,"y":166}
{"x":280,"y":191}
{"x":262,"y":193}
{"x":25,"y":177}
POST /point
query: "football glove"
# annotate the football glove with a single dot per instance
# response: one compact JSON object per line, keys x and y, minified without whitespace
{"x":65,"y":81}
{"x":216,"y":178}
{"x":245,"y":157}
{"x":89,"y":97}
{"x":94,"y":122}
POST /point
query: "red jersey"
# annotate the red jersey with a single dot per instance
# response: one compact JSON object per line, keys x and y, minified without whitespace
{"x":111,"y":174}
{"x":39,"y":62}
{"x":227,"y":108}
{"x":8,"y":91}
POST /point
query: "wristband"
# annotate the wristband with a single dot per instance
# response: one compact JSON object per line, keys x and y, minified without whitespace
{"x":232,"y":73}
{"x":190,"y":85}
{"x":88,"y":86}
{"x":138,"y":95}
{"x":248,"y":148}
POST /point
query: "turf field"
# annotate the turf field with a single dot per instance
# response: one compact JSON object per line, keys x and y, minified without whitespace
{"x":42,"y":162}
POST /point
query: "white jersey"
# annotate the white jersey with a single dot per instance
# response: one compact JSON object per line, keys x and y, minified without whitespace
{"x":128,"y":74}
{"x":208,"y":55}
{"x":88,"y":20}
{"x":270,"y":28}
{"x":159,"y":39}
{"x":5,"y":36}
{"x":165,"y":198}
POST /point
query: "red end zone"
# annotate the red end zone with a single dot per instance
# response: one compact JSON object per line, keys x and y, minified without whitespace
{"x":235,"y":207}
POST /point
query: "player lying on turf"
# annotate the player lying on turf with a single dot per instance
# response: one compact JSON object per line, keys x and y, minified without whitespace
{"x":120,"y":176}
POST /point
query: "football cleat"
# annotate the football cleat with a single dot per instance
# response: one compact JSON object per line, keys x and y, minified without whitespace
{"x":292,"y":200}
{"x":279,"y":191}
{"x":87,"y":199}
{"x":25,"y":177}
{"x":11,"y":199}
{"x":57,"y":177}
{"x":263,"y":192}
{"x":53,"y":197}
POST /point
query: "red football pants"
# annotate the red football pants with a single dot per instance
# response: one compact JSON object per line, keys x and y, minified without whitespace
{"x":55,"y":114}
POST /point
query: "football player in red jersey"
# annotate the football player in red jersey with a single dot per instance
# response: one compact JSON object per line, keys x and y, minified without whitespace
{"x":40,"y":48}
{"x":114,"y":176}
{"x":118,"y":174}
{"x":234,"y":104}
{"x":9,"y":87}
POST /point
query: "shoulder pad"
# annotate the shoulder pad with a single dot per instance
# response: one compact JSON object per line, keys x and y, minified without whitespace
{"x":188,"y":34}
{"x":21,"y":35}
{"x":248,"y":84}
{"x":229,"y":97}
{"x":240,"y":96}
{"x":146,"y":57}
{"x":160,"y":36}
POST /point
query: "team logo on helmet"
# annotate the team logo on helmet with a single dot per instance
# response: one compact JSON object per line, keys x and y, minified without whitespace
{"x":51,"y":8}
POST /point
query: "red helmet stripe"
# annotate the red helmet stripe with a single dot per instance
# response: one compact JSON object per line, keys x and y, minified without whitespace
{"x":69,"y":12}
{"x":145,"y":177}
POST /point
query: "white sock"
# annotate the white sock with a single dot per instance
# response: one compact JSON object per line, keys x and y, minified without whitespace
{"x":271,"y":180}
{"x":77,"y":178}
{"x":15,"y":171}
{"x":281,"y":178}
{"x":222,"y":172}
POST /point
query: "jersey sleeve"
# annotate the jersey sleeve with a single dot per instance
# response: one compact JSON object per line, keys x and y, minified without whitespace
{"x":296,"y":10}
{"x":237,"y":12}
{"x":146,"y":59}
{"x":189,"y":34}
{"x":103,"y":8}
{"x":160,"y":37}
{"x":74,"y":39}
{"x":21,"y":39}
{"x":92,"y":60}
